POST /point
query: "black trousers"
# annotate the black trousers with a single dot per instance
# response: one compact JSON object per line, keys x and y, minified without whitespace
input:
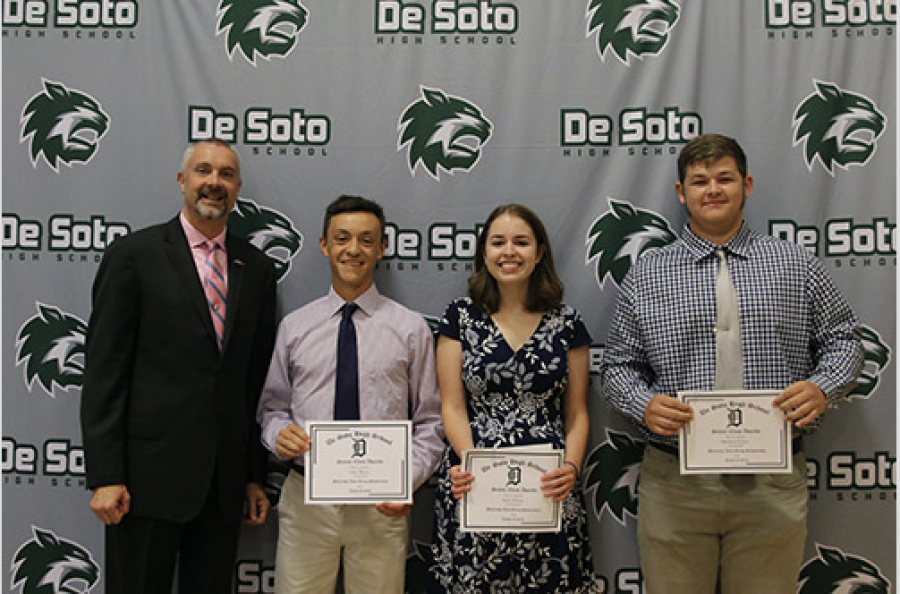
{"x":142,"y":553}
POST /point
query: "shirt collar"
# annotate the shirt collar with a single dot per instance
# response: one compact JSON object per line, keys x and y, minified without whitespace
{"x":195,"y":238}
{"x":700,"y":248}
{"x":367,"y":302}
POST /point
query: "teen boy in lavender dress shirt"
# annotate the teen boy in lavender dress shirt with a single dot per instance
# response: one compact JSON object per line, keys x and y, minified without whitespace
{"x":396,"y":381}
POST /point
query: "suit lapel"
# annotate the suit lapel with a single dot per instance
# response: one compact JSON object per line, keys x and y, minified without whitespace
{"x":236,"y":273}
{"x":179,"y":254}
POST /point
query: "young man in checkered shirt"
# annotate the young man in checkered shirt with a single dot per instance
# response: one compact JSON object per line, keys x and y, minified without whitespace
{"x":797,"y":336}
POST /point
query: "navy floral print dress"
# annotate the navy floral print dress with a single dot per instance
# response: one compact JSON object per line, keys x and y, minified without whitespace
{"x":514,"y":398}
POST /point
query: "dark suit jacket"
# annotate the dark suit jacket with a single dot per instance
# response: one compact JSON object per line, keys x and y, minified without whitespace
{"x":161,"y":407}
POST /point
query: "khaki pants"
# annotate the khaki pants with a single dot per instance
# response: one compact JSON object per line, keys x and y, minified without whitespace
{"x":746,"y":530}
{"x":312,"y":539}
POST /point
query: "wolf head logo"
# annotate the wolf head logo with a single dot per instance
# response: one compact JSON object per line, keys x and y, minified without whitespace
{"x":838,"y":573}
{"x":418,"y":560}
{"x":434,"y":324}
{"x":612,"y":472}
{"x":837,"y":127}
{"x":52,"y":346}
{"x":263,"y":28}
{"x":63,"y":125}
{"x":631,"y":27}
{"x":443,"y":132}
{"x":620,"y":235}
{"x":48,"y":564}
{"x":276,"y":472}
{"x":269,"y":230}
{"x":877,"y":355}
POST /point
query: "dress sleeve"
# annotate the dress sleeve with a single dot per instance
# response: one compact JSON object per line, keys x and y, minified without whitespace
{"x":579,"y":332}
{"x":449,"y":325}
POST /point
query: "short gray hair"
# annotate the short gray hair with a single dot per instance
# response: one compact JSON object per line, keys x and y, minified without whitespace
{"x":189,"y":151}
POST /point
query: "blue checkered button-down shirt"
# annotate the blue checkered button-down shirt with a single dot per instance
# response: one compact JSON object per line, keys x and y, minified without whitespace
{"x":795,"y":325}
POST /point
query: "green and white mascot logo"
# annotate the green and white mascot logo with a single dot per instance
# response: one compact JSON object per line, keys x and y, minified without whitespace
{"x":418,"y":560}
{"x":265,"y":28}
{"x":434,"y":323}
{"x":876,"y":356}
{"x":276,"y":473}
{"x":837,"y":127}
{"x":620,"y":235}
{"x":611,"y":475}
{"x":443,"y":132}
{"x":52,"y":346}
{"x":48,"y":564}
{"x":269,"y":230}
{"x":836,"y":572}
{"x":64,"y":125}
{"x":631,"y":27}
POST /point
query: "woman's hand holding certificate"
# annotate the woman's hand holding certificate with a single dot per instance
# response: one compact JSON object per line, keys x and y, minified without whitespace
{"x":503,"y":489}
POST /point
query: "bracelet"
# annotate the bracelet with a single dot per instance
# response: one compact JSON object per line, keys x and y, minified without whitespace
{"x":574,"y":467}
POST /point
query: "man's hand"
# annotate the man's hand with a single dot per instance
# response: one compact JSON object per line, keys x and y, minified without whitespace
{"x":394,"y":510}
{"x":110,"y":503}
{"x":257,"y":505}
{"x":802,"y":402}
{"x":665,"y":415}
{"x":291,"y":442}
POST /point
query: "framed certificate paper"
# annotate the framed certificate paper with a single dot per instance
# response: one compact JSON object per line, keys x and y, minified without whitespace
{"x":734,"y":432}
{"x":506,"y":495}
{"x":358,"y":462}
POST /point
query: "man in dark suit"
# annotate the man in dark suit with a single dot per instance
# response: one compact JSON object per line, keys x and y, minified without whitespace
{"x":172,"y":449}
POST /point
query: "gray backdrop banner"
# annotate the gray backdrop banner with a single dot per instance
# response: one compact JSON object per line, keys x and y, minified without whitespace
{"x":441,"y":110}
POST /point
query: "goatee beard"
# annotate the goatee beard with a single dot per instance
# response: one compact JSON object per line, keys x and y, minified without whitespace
{"x":208,"y":212}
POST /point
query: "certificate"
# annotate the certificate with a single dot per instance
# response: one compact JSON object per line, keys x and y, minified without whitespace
{"x":734,"y":432}
{"x":358,"y":462}
{"x":506,"y":495}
